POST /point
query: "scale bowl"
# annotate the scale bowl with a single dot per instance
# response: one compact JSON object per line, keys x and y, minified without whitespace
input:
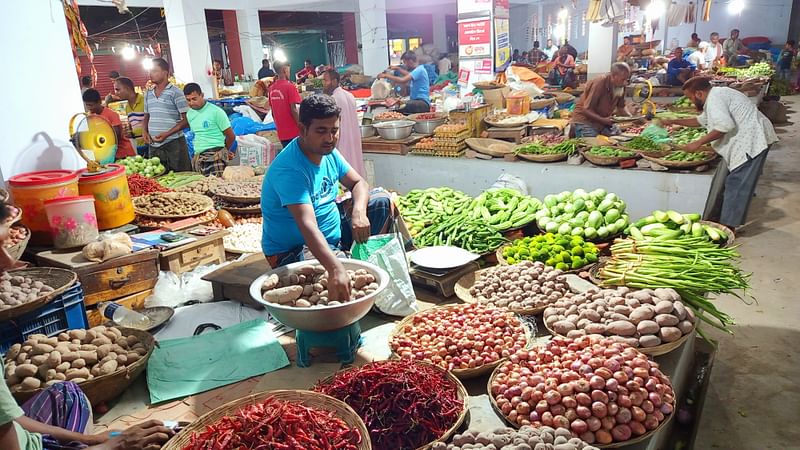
{"x":322,"y":318}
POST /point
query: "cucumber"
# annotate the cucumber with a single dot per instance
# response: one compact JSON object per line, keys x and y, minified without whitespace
{"x":712,"y":233}
{"x":605,"y":205}
{"x":612,"y":215}
{"x":697,"y":230}
{"x":660,"y":216}
{"x":694,"y":217}
{"x":620,"y":224}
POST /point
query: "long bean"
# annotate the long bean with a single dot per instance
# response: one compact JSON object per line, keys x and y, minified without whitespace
{"x":460,"y":230}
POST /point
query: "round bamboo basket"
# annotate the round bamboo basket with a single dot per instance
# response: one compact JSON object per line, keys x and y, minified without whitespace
{"x":463,"y":374}
{"x":631,"y":441}
{"x":104,"y":388}
{"x":463,"y":395}
{"x":726,"y":230}
{"x":491,"y":147}
{"x":16,"y":250}
{"x":498,"y":124}
{"x":219,"y":191}
{"x":205,"y":205}
{"x":710,"y":156}
{"x":306,"y":398}
{"x":606,"y":160}
{"x":549,"y":158}
{"x":58,"y":279}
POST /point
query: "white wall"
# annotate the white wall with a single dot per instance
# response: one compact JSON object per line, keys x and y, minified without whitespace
{"x":521,"y":17}
{"x":768,"y":18}
{"x":42,"y":93}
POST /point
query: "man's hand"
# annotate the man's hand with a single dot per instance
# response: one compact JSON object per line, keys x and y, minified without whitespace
{"x":159,"y":137}
{"x":360,"y":228}
{"x":381,"y":75}
{"x":94,"y":439}
{"x":692,"y":146}
{"x":607,"y":121}
{"x":150,"y":435}
{"x":147,"y":138}
{"x":339,"y":285}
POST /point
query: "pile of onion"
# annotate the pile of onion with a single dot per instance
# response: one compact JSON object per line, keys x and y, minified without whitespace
{"x":603,"y":391}
{"x":467,"y":336}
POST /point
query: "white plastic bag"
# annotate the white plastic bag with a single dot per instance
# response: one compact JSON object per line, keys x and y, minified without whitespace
{"x":380,"y":89}
{"x":506,"y":180}
{"x":398,"y":299}
{"x":173,"y":290}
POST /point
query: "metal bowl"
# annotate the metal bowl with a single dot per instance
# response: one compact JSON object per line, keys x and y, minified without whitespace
{"x":427,"y":126}
{"x":367,"y":131}
{"x":321,"y":318}
{"x":395,"y":130}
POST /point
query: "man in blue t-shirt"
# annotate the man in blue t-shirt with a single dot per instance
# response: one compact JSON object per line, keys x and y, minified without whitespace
{"x":679,"y":70}
{"x":416,"y":76}
{"x":298,"y":199}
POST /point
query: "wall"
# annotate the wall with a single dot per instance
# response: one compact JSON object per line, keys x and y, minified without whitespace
{"x":521,"y":18}
{"x":46,"y":57}
{"x":410,"y":25}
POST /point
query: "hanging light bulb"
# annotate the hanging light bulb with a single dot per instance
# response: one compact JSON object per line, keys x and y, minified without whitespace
{"x":280,"y":55}
{"x":563,"y":13}
{"x":655,"y":9}
{"x":128,"y":53}
{"x":147,"y":63}
{"x":736,"y":6}
{"x":558,"y":31}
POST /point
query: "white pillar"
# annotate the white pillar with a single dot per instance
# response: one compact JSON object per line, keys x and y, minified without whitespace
{"x":601,"y":49}
{"x":373,"y":36}
{"x":250,"y":40}
{"x":38,"y":43}
{"x":188,"y":43}
{"x":440,"y":32}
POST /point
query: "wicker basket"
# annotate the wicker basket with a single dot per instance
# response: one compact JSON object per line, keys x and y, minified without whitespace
{"x":494,"y":121}
{"x":501,"y":260}
{"x":463,"y":395}
{"x":306,"y":398}
{"x":711,"y":156}
{"x":549,"y":158}
{"x":726,"y":230}
{"x":605,"y":160}
{"x":236,"y":199}
{"x":206,"y":204}
{"x":490,"y":146}
{"x":467,"y":281}
{"x":543,"y":103}
{"x":16,"y":250}
{"x":104,"y":388}
{"x":59,"y":279}
{"x":463,"y":374}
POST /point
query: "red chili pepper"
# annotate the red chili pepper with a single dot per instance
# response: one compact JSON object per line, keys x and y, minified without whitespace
{"x":140,"y":185}
{"x":404,"y":405}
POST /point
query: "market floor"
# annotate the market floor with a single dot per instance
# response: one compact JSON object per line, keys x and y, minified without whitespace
{"x":754,"y":395}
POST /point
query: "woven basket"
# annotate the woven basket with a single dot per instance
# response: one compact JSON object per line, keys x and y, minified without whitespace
{"x":555,"y":157}
{"x":59,"y":279}
{"x":719,"y":226}
{"x":306,"y":398}
{"x":711,"y":155}
{"x":463,"y":395}
{"x":206,"y":204}
{"x":489,"y":146}
{"x":104,"y":388}
{"x":16,"y":250}
{"x":605,"y":160}
{"x":236,"y":199}
{"x":463,"y":374}
{"x":613,"y":445}
{"x":503,"y":124}
{"x":467,"y":281}
{"x":542,"y":103}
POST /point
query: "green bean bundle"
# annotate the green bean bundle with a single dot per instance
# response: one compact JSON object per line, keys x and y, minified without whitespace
{"x":473,"y":235}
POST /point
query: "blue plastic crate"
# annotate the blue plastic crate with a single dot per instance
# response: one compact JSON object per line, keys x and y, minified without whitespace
{"x":65,"y":312}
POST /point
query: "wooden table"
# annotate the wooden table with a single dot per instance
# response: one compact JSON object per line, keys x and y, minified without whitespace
{"x":513,"y":133}
{"x":377,"y":144}
{"x":204,"y":250}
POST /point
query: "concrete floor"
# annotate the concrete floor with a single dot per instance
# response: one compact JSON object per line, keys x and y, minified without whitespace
{"x":753,"y":387}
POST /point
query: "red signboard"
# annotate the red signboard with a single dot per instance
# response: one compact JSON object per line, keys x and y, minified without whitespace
{"x":475,"y":38}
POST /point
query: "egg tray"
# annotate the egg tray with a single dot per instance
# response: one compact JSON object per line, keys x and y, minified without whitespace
{"x":437,"y":133}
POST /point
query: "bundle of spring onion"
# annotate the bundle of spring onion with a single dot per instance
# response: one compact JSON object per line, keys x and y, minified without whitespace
{"x":693,"y":266}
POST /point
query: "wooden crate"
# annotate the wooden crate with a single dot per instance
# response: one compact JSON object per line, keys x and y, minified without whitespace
{"x":472,"y":118}
{"x":205,"y":250}
{"x":134,"y":302}
{"x":232,"y":282}
{"x":109,"y":280}
{"x":377,"y":144}
{"x":514,"y":134}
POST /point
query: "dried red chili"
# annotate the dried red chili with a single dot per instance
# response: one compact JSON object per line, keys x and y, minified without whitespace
{"x":277,"y":424}
{"x":140,"y":185}
{"x":405,"y":405}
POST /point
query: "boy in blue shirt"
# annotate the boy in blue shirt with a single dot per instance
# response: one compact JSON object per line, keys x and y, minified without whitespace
{"x":785,"y":60}
{"x":298,"y":199}
{"x":416,"y":76}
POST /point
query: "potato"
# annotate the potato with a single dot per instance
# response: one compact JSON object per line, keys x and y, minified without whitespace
{"x":669,"y":334}
{"x":54,"y":359}
{"x":10,"y":369}
{"x":25,"y":370}
{"x":679,"y":310}
{"x":595,"y":328}
{"x":79,"y":363}
{"x":50,"y":374}
{"x":12,"y":380}
{"x":31,"y":383}
{"x":270,"y":283}
{"x":22,"y":357}
{"x":122,"y":359}
{"x":13,"y":352}
{"x":664,"y":307}
{"x":49,"y":341}
{"x":621,"y":328}
{"x":132,"y":340}
{"x":133,"y":357}
{"x":685,"y":326}
{"x":108,"y":334}
{"x":308,"y":289}
{"x":77,"y":334}
{"x":647,"y":327}
{"x":666,"y":320}
{"x":283,"y":295}
{"x":90,"y":336}
{"x":63,"y":337}
{"x":111,"y":356}
{"x":61,"y":377}
{"x":79,"y":380}
{"x":104,"y":350}
{"x":77,"y":373}
{"x":649,"y":341}
{"x":574,"y":334}
{"x":89,"y":357}
{"x":121,"y":342}
{"x":301,"y":303}
{"x":116,"y":331}
{"x":40,"y":349}
{"x":88,"y":347}
{"x":641,"y":313}
{"x":101,"y":341}
{"x":563,"y":327}
{"x":69,"y":356}
{"x":63,"y":367}
{"x":108,"y":367}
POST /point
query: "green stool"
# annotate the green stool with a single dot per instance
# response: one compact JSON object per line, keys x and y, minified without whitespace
{"x":345,"y":340}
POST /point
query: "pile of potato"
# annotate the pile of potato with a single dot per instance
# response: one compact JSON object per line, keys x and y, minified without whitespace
{"x":201,"y":187}
{"x":75,"y":355}
{"x":16,"y":290}
{"x":526,"y":438}
{"x":525,"y":285}
{"x":308,"y":287}
{"x":644,"y":318}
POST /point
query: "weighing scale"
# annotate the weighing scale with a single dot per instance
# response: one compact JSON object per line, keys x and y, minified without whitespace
{"x":642,"y":91}
{"x":94,"y":134}
{"x":441,"y":281}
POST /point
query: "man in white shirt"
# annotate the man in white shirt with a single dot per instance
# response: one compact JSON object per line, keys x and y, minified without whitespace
{"x":739,"y":133}
{"x":698,"y":57}
{"x":550,"y":49}
{"x":714,"y":51}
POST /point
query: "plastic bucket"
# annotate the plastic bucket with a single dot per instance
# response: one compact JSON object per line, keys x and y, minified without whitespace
{"x":30,"y":191}
{"x":111,"y":194}
{"x":73,"y":221}
{"x":518,"y":105}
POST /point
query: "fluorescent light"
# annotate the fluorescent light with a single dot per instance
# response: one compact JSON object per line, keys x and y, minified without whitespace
{"x":128,"y":53}
{"x":736,"y":6}
{"x":558,"y":30}
{"x":147,"y":63}
{"x":655,"y":9}
{"x":563,"y":13}
{"x":279,"y":55}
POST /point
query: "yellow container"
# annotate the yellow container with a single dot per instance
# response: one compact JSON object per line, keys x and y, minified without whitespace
{"x":30,"y":190}
{"x":111,"y":194}
{"x":517,"y":105}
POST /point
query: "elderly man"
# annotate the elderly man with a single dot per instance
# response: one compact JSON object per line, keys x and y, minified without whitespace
{"x":739,"y":133}
{"x":714,"y":52}
{"x":602,"y":97}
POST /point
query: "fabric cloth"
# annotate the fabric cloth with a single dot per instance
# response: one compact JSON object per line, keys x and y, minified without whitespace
{"x":9,"y":411}
{"x":567,"y":61}
{"x":747,"y":131}
{"x":292,"y":179}
{"x":444,"y":65}
{"x":135,"y":114}
{"x":599,"y":98}
{"x":414,"y":107}
{"x":265,"y":72}
{"x":674,"y":69}
{"x":730,"y":49}
{"x":174,"y":155}
{"x":165,"y":111}
{"x":124,"y":146}
{"x":550,"y":51}
{"x":583,"y":130}
{"x":208,"y":125}
{"x":739,"y":188}
{"x":697,"y":59}
{"x":420,"y":85}
{"x":349,"y":131}
{"x":211,"y":162}
{"x":62,"y":405}
{"x":283,"y":96}
{"x":379,"y":212}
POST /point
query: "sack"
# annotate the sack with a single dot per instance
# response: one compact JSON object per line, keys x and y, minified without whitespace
{"x":255,"y":150}
{"x":386,"y":252}
{"x":774,"y":110}
{"x":381,"y":89}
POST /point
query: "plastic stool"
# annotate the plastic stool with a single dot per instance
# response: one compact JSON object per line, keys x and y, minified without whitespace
{"x":345,"y":340}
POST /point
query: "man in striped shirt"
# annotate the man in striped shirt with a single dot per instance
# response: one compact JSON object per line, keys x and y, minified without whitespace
{"x":164,"y":120}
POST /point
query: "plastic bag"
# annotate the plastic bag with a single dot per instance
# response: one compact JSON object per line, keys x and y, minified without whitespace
{"x":113,"y":245}
{"x":173,"y":290}
{"x":386,"y":252}
{"x":656,"y":134}
{"x":506,"y":180}
{"x":380,"y":89}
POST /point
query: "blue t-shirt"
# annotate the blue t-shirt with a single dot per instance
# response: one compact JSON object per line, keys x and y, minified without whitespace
{"x":294,"y":180}
{"x":673,"y":70}
{"x":420,"y":85}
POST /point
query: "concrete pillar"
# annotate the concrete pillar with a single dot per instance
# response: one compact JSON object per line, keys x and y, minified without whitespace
{"x":188,"y":43}
{"x":231,"y":26}
{"x":24,"y":121}
{"x":440,"y":32}
{"x":250,"y":40}
{"x":350,"y":38}
{"x":601,"y":49}
{"x":373,"y":36}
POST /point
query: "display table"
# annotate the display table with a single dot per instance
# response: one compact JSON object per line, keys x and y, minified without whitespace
{"x":642,"y":190}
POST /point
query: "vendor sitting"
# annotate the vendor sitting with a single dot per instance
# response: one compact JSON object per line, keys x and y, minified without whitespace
{"x":679,"y":70}
{"x":301,"y":217}
{"x":625,"y":50}
{"x":419,"y":84}
{"x":601,"y":98}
